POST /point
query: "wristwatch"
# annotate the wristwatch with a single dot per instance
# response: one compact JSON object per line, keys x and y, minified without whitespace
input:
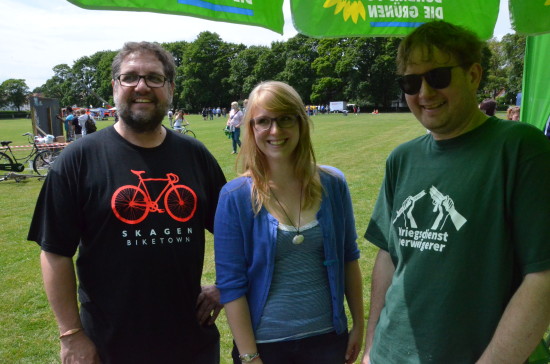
{"x":248,"y":358}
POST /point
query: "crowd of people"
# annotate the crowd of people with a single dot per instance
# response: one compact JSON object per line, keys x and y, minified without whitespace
{"x":462,"y":269}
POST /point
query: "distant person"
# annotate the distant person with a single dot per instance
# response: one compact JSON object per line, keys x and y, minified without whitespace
{"x":77,"y":128}
{"x":179,"y":121}
{"x":462,"y":273}
{"x":171,"y":117}
{"x":285,"y":243}
{"x":488,"y":106}
{"x":234,"y":123}
{"x":68,"y":124}
{"x":136,"y":213}
{"x":513,"y":113}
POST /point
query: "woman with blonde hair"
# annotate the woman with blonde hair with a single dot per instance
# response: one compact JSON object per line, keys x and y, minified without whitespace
{"x":285,"y":243}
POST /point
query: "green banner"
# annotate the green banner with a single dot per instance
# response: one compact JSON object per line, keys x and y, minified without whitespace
{"x":530,"y":17}
{"x":535,"y":105}
{"x":348,"y":18}
{"x":264,"y":13}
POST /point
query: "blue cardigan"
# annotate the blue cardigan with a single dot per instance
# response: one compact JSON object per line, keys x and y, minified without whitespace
{"x":245,"y":244}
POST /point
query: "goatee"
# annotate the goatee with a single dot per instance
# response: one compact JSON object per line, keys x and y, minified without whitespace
{"x":142,"y":121}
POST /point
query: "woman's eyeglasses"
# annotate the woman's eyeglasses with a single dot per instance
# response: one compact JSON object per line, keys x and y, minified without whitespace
{"x":264,"y":123}
{"x":437,"y":78}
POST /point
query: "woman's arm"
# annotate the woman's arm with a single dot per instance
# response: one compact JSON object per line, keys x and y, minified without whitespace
{"x":238,"y":318}
{"x":354,"y":297}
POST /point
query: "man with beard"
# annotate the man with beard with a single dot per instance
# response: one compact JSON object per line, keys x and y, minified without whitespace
{"x":137,"y":216}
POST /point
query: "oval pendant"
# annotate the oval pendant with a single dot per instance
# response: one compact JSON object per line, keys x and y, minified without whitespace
{"x":298,"y":239}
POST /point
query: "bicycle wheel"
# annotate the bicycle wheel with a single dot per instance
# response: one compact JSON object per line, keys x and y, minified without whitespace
{"x":190,"y":133}
{"x":44,"y":161}
{"x":5,"y":162}
{"x":129,"y":204}
{"x":180,"y":202}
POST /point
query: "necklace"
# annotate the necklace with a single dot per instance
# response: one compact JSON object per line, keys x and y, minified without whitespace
{"x":298,"y":238}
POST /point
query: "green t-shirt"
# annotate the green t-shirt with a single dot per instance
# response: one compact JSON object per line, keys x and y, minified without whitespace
{"x":463,"y":220}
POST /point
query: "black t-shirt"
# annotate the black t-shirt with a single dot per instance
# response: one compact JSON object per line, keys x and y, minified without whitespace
{"x":137,"y":216}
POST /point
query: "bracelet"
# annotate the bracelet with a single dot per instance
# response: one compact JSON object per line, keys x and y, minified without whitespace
{"x":70,"y":332}
{"x":248,"y":358}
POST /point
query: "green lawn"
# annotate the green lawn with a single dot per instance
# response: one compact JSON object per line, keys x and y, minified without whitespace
{"x":358,"y":145}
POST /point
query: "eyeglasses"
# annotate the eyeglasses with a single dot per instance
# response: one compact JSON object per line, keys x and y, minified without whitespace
{"x":132,"y":80}
{"x":437,"y":78}
{"x":264,"y":123}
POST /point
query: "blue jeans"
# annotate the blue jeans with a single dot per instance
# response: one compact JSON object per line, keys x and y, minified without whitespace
{"x":320,"y":349}
{"x":235,"y":136}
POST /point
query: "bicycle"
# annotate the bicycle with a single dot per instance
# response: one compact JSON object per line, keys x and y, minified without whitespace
{"x":183,"y":130}
{"x":42,"y":162}
{"x":131,"y":204}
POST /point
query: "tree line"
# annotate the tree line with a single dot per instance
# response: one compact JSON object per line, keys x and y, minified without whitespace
{"x":212,"y":73}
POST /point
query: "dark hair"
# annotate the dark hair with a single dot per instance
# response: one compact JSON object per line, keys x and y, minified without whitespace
{"x":458,"y":42}
{"x":488,"y":106}
{"x":163,"y":56}
{"x":69,"y":109}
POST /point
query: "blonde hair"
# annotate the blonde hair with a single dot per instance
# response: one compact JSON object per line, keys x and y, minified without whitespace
{"x":278,"y":97}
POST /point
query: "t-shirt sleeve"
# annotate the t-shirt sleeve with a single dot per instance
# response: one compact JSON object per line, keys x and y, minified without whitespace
{"x":214,"y":175}
{"x":55,"y":224}
{"x":530,"y":202}
{"x":379,"y":226}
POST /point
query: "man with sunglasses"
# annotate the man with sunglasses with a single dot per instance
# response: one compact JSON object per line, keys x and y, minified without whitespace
{"x":138,"y":217}
{"x":463,"y":269}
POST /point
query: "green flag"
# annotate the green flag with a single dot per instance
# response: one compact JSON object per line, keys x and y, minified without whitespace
{"x":264,"y":13}
{"x":530,"y":17}
{"x":346,"y":18}
{"x":535,"y":107}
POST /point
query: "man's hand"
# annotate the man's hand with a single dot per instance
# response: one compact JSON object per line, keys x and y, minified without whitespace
{"x":355,"y":341}
{"x":208,"y":305}
{"x":78,"y":349}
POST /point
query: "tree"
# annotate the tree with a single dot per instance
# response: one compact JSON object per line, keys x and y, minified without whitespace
{"x":513,"y":53}
{"x":14,"y":92}
{"x":205,"y":66}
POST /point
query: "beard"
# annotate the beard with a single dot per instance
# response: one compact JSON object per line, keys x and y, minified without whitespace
{"x":142,"y":121}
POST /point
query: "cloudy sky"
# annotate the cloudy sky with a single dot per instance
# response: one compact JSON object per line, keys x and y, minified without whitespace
{"x":37,"y":35}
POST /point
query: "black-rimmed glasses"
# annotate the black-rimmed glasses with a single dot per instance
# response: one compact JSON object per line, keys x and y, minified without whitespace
{"x":264,"y":123}
{"x":437,"y":78}
{"x":132,"y":80}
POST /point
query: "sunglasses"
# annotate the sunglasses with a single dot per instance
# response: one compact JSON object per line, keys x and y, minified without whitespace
{"x":437,"y":78}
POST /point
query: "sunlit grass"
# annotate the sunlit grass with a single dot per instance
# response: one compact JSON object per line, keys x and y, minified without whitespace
{"x":358,"y":145}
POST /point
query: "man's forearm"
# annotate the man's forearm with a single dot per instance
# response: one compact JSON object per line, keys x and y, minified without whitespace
{"x":523,"y":323}
{"x":382,"y":274}
{"x":60,"y":285}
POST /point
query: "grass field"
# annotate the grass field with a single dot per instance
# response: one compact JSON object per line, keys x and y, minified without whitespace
{"x":358,"y":145}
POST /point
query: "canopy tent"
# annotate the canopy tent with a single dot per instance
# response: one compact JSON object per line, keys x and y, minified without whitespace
{"x":349,"y":18}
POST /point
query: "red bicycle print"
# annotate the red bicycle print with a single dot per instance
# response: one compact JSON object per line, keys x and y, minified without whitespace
{"x":131,"y":204}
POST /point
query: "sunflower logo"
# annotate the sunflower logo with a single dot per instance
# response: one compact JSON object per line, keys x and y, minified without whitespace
{"x":351,"y":9}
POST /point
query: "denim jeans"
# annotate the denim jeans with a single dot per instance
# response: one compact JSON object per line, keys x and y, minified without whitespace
{"x":320,"y":349}
{"x":235,"y":136}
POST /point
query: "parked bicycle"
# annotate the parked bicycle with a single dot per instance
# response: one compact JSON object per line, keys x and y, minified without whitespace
{"x":41,"y":155}
{"x":131,"y":204}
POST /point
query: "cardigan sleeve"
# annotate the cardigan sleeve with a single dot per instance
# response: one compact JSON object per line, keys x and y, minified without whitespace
{"x":229,"y":246}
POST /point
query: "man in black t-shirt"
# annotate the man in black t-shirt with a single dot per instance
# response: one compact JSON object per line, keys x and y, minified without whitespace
{"x":138,"y":219}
